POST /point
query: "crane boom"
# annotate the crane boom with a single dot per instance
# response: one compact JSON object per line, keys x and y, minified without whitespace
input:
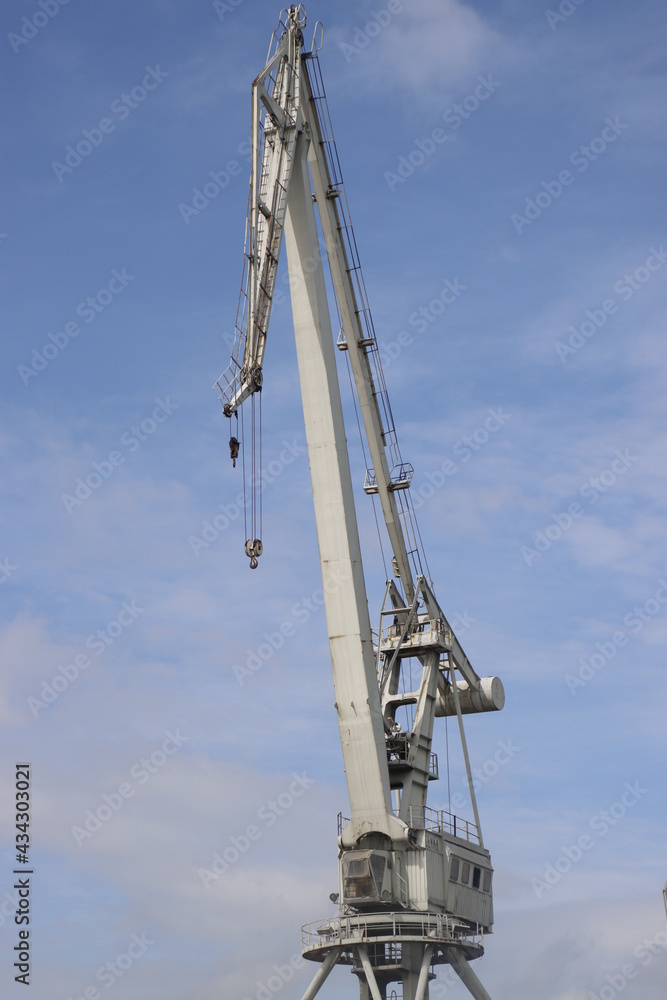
{"x":276,"y":122}
{"x":355,"y":683}
{"x":426,"y":870}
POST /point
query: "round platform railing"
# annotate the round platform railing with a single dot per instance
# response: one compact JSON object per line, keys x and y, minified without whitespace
{"x":320,"y":936}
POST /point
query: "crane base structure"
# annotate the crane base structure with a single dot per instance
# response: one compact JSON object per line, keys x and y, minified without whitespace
{"x":392,"y":948}
{"x":415,"y":883}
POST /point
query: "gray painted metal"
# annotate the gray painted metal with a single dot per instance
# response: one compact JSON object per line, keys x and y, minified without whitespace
{"x":346,"y":604}
{"x":466,"y":975}
{"x":292,"y":148}
{"x":322,"y":974}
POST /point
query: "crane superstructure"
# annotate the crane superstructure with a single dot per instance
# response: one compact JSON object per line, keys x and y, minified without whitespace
{"x":415,"y":884}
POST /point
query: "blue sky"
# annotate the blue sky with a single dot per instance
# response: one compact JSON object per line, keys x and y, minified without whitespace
{"x":530,"y":402}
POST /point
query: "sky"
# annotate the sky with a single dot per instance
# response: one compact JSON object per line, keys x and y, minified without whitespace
{"x":504,"y":164}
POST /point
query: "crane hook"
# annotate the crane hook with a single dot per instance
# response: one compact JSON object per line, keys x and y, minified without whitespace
{"x":233,"y":450}
{"x":253,"y":549}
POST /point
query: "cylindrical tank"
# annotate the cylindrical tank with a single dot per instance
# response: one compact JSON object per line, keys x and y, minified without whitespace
{"x":489,"y":698}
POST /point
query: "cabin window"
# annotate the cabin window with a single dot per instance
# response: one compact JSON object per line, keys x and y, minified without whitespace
{"x":356,"y":869}
{"x":487,"y":882}
{"x":465,"y":873}
{"x":378,"y":865}
{"x":358,"y":880}
{"x":476,"y":877}
{"x":454,"y":870}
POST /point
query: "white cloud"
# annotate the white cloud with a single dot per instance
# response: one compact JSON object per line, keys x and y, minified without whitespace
{"x":430,"y":46}
{"x":439,"y":44}
{"x":29,"y":656}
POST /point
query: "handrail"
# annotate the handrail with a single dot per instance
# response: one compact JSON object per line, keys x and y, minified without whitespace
{"x":360,"y":928}
{"x":442,"y":821}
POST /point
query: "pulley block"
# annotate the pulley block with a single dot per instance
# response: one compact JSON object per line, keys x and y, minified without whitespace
{"x":253,"y":549}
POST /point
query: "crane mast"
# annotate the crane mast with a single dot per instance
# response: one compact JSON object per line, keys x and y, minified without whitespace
{"x":414,"y":883}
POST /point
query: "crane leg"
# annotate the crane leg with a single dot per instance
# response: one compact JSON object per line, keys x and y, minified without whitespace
{"x":422,"y":983}
{"x":462,"y":969}
{"x":368,"y":972}
{"x":322,"y":974}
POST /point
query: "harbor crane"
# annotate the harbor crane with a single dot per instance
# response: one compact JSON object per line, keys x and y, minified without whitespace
{"x":415,"y":883}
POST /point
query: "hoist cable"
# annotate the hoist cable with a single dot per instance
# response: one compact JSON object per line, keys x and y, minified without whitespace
{"x":401,"y":675}
{"x":379,"y":534}
{"x":261,"y":484}
{"x":449,"y":789}
{"x":363,"y":452}
{"x":361,"y":436}
{"x":253,"y":474}
{"x":245,"y":497}
{"x":413,"y":517}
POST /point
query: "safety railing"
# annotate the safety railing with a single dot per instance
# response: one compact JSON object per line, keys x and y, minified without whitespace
{"x":347,"y":931}
{"x":442,"y":821}
{"x":342,"y":822}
